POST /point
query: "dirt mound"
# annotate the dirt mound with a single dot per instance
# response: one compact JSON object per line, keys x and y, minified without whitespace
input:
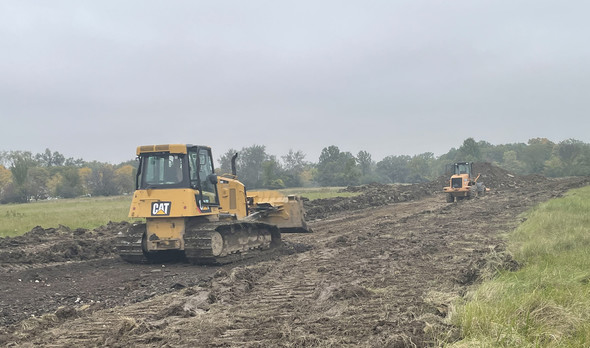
{"x":374,"y":195}
{"x":45,"y":245}
{"x":497,"y":178}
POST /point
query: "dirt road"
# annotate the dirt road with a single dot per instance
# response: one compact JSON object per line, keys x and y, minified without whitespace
{"x":371,"y":275}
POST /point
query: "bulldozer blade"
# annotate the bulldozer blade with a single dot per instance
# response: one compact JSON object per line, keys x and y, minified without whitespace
{"x":272,"y":207}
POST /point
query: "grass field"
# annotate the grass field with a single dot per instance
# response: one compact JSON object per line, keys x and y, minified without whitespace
{"x":91,"y":212}
{"x":546,"y":303}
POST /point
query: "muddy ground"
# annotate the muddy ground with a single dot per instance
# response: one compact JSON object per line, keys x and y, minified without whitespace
{"x":380,"y":270}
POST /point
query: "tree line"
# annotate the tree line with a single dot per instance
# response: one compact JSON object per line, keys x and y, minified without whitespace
{"x":25,"y":177}
{"x":335,"y":167}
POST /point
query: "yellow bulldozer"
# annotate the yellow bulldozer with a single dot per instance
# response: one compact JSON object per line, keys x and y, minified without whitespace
{"x":192,"y":213}
{"x":463,"y":184}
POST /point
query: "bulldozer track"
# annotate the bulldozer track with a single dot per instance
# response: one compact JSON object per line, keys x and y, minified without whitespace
{"x":128,"y":244}
{"x":236,"y":241}
{"x":199,"y":248}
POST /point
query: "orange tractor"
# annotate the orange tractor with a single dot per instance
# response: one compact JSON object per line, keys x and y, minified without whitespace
{"x":463,"y":184}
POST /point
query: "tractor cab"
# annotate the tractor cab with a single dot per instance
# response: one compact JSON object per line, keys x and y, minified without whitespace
{"x":462,"y":168}
{"x":461,"y":175}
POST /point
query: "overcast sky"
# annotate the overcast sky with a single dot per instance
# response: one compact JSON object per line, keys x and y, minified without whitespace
{"x":94,"y":79}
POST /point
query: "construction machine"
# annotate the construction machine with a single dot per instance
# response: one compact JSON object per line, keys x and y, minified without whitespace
{"x":463,"y":184}
{"x":192,"y":213}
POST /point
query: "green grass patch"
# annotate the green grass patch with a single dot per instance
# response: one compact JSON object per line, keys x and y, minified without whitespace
{"x":90,"y":212}
{"x":546,"y":303}
{"x":313,"y":193}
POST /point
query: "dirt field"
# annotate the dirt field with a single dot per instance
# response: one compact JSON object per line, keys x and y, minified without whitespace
{"x":380,"y":270}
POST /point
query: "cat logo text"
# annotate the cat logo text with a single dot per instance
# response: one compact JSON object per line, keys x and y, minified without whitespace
{"x":161,"y":208}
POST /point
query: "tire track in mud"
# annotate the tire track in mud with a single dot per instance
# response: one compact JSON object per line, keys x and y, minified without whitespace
{"x":374,"y":277}
{"x":277,"y":293}
{"x":304,"y":299}
{"x":102,"y":328}
{"x":381,"y":277}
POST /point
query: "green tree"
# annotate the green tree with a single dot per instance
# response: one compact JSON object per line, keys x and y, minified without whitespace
{"x":294,"y":165}
{"x":69,"y":186}
{"x":553,"y":167}
{"x":351,"y":173}
{"x":49,"y":159}
{"x":419,"y":166}
{"x":249,"y":165}
{"x":511,"y":163}
{"x":53,"y":183}
{"x":537,"y":152}
{"x":582,"y":162}
{"x":84,"y":174}
{"x":36,"y":183}
{"x":365,"y":162}
{"x":470,"y":151}
{"x":271,"y":174}
{"x":225,"y":162}
{"x":394,"y":169}
{"x":5,"y":183}
{"x":489,"y":152}
{"x":568,"y":151}
{"x":71,"y":162}
{"x":21,"y":163}
{"x":4,"y":158}
{"x":124,"y":178}
{"x":102,"y":182}
{"x":327,"y":168}
{"x":337,"y":168}
{"x":367,"y":167}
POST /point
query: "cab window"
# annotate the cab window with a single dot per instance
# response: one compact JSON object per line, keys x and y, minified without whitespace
{"x":463,"y":169}
{"x":161,"y":169}
{"x":201,"y":166}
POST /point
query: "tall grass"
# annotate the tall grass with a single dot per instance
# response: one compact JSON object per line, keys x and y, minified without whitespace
{"x":16,"y":219}
{"x":546,"y":303}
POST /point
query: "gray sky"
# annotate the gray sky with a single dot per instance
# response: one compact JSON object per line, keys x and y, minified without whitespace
{"x":94,"y":79}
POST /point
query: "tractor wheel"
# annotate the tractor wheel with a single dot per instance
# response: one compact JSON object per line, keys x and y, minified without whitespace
{"x":481,"y":189}
{"x":450,"y":198}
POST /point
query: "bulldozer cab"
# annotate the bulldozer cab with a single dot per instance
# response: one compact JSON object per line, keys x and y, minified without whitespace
{"x":190,"y":167}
